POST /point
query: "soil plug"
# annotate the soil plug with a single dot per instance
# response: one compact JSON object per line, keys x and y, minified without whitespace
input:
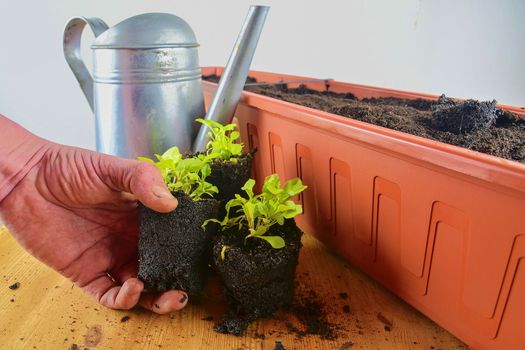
{"x":257,"y":252}
{"x":230,"y":166}
{"x":174,"y":247}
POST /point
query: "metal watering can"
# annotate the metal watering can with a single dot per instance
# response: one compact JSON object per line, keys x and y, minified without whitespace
{"x":146,"y":87}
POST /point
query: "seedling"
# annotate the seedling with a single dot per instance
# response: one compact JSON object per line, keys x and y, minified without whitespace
{"x":173,"y":248}
{"x":258,"y":279}
{"x":184,"y":174}
{"x":260,"y":212}
{"x":223,"y":142}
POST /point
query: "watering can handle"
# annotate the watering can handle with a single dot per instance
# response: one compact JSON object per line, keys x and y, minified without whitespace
{"x":72,"y":36}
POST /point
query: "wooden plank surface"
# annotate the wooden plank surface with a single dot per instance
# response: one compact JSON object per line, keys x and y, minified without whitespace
{"x":49,"y":312}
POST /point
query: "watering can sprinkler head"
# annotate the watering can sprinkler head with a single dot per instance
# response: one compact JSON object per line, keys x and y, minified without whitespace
{"x":234,"y":76}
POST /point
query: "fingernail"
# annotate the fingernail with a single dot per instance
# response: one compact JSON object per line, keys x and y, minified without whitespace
{"x":183,"y":298}
{"x":162,"y":192}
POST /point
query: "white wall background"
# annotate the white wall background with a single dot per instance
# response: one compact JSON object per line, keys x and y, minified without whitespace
{"x":464,"y":48}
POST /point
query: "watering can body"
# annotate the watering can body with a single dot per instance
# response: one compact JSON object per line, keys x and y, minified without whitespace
{"x":146,"y":89}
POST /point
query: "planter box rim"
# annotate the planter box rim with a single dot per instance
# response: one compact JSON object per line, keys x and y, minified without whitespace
{"x":489,"y":168}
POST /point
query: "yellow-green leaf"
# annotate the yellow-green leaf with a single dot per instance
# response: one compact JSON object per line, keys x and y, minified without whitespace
{"x":275,"y":241}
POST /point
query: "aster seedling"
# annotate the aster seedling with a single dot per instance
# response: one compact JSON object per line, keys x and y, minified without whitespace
{"x":223,"y":144}
{"x":258,"y":213}
{"x":186,"y":174}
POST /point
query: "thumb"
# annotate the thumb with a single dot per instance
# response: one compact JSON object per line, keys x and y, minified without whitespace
{"x":141,"y":179}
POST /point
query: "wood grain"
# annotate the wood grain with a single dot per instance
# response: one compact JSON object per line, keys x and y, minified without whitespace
{"x":49,"y":312}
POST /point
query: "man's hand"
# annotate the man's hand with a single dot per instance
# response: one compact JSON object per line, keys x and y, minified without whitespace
{"x":76,"y":211}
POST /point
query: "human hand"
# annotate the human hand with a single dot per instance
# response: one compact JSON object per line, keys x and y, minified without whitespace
{"x":76,"y":211}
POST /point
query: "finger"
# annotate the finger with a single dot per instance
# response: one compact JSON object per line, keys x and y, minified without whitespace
{"x":123,"y":297}
{"x":126,"y":271}
{"x":163,"y":303}
{"x":127,"y":197}
{"x":118,"y":201}
{"x":141,"y":179}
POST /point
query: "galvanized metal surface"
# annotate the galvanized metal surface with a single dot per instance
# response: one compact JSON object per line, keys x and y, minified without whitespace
{"x":71,"y":46}
{"x":233,"y":79}
{"x":146,"y":88}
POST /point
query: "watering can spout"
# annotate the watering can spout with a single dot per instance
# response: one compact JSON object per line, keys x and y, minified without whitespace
{"x":234,"y":76}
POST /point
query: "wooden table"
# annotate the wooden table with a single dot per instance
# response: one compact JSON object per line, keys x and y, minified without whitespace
{"x":49,"y":312}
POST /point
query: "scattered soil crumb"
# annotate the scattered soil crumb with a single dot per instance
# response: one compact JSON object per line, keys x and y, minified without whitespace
{"x":309,"y":309}
{"x":384,"y":319}
{"x":346,"y":346}
{"x":346,"y":309}
{"x":93,"y":336}
{"x":343,"y":295}
{"x":125,"y":319}
{"x":279,"y":345}
{"x":14,"y":286}
{"x":387,"y":328}
{"x":74,"y":347}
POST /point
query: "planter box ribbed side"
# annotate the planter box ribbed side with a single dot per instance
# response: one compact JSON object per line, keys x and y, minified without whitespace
{"x":438,"y":225}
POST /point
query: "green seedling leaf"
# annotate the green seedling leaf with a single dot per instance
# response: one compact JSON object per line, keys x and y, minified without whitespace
{"x":184,"y":174}
{"x":172,"y":153}
{"x":248,"y":187}
{"x":222,"y":144}
{"x":272,"y":184}
{"x":275,"y":241}
{"x":258,"y":213}
{"x":261,"y":230}
{"x":294,"y":187}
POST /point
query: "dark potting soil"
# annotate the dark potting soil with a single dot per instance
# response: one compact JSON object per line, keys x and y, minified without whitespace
{"x":464,"y":117}
{"x":173,"y":247}
{"x":474,"y":125}
{"x":258,"y":279}
{"x":279,"y":345}
{"x":310,"y":310}
{"x":229,"y":177}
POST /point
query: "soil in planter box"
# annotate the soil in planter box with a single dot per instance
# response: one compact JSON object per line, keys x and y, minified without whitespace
{"x":474,"y":125}
{"x":173,"y":248}
{"x":258,"y":279}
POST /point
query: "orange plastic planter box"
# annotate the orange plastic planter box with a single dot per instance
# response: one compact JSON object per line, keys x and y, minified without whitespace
{"x":440,"y":226}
